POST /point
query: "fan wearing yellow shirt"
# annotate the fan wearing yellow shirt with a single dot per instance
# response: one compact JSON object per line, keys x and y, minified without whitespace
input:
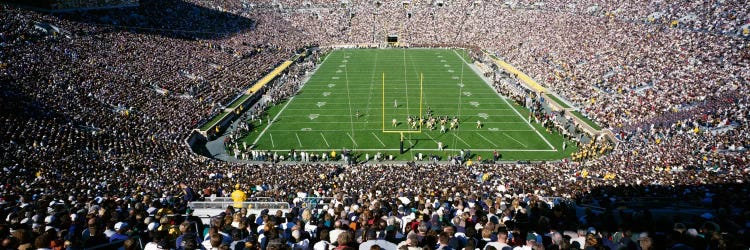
{"x":238,"y":196}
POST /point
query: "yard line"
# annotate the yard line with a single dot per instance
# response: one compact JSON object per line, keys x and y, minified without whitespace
{"x":511,"y":137}
{"x":324,"y":139}
{"x":528,"y":123}
{"x":427,"y":149}
{"x":372,"y":88}
{"x":428,"y":135}
{"x":462,"y":140}
{"x":376,"y":130}
{"x":298,"y":140}
{"x":485,"y":138}
{"x":272,"y":145}
{"x":376,"y":137}
{"x":349,"y":100}
{"x":406,"y":90}
{"x":509,"y":105}
{"x":270,"y":123}
{"x":355,"y":142}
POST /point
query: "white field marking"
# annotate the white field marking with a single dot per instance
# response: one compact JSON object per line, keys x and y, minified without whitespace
{"x":349,"y":101}
{"x":376,"y":137}
{"x":355,"y":142}
{"x":376,"y":130}
{"x":426,"y":149}
{"x":324,"y":139}
{"x":335,"y":77}
{"x":406,"y":87}
{"x":274,"y":119}
{"x":433,"y":139}
{"x":446,"y":65}
{"x":298,"y":140}
{"x":488,"y":140}
{"x":462,"y":140}
{"x":509,"y":105}
{"x":475,"y":104}
{"x":342,"y":66}
{"x":305,"y":129}
{"x":450,"y":71}
{"x":331,"y":85}
{"x":320,"y":104}
{"x":511,"y":137}
{"x":313,"y":116}
{"x":372,"y":88}
{"x":454,"y":77}
{"x":483,"y":115}
{"x":527,"y":123}
{"x":326,"y":93}
{"x":272,"y":144}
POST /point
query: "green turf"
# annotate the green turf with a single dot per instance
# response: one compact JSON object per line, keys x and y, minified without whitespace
{"x":322,"y":116}
{"x":587,"y":120}
{"x":215,"y":120}
{"x":558,"y":101}
{"x":239,"y":101}
{"x":465,"y":55}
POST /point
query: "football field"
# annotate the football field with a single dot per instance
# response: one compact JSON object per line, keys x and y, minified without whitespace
{"x":356,"y":95}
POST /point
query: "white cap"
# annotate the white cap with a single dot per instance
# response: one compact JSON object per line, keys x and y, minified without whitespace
{"x":49,"y":219}
{"x":120,"y":225}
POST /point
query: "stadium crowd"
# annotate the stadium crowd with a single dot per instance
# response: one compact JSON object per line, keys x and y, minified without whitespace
{"x":96,"y":109}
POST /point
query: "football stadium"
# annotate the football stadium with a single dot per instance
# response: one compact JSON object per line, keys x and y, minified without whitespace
{"x":369,"y":124}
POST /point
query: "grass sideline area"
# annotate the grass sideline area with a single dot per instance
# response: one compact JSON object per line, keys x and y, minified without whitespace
{"x":214,"y":121}
{"x":347,"y":104}
{"x":587,"y":120}
{"x":558,"y":101}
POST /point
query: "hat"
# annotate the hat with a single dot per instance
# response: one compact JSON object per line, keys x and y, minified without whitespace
{"x":531,"y":236}
{"x":49,"y":219}
{"x":296,"y":234}
{"x":643,"y":235}
{"x":94,"y":209}
{"x":120,"y":225}
{"x":153,"y":226}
